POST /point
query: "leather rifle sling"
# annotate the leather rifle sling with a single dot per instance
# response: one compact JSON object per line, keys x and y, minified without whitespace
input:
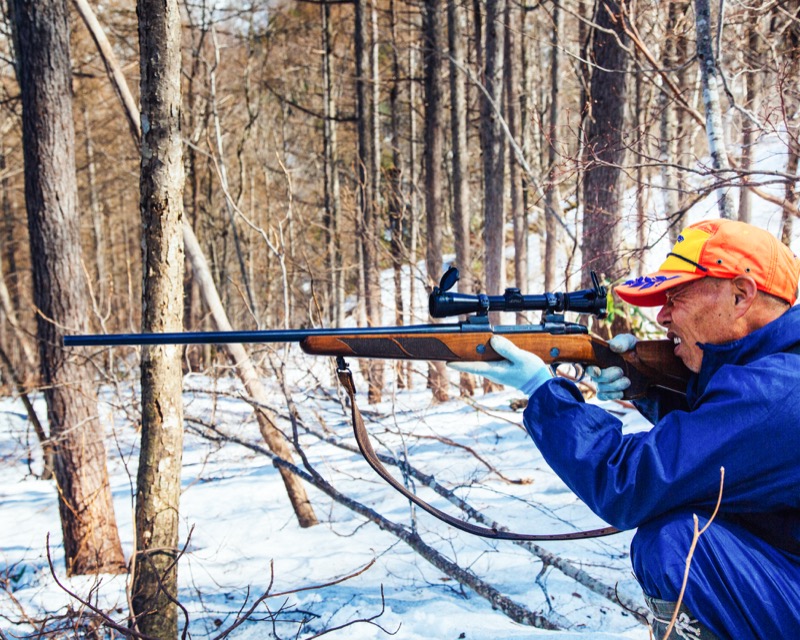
{"x":364,"y":444}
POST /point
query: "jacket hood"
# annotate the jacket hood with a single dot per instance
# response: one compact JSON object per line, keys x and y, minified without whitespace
{"x":780,"y":335}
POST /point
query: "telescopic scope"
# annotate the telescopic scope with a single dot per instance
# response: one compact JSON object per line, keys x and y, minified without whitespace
{"x":442,"y":303}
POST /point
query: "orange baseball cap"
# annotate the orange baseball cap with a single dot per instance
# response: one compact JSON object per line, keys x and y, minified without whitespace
{"x":719,"y":249}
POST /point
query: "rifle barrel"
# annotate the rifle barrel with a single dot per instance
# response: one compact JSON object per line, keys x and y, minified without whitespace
{"x":244,"y":337}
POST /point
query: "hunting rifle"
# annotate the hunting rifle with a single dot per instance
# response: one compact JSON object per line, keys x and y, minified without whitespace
{"x":651,"y":364}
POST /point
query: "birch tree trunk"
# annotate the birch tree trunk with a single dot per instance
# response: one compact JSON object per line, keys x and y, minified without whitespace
{"x":91,"y":539}
{"x":710,"y":80}
{"x":161,"y":180}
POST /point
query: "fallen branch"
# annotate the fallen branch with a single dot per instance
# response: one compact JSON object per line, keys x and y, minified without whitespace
{"x":517,"y":612}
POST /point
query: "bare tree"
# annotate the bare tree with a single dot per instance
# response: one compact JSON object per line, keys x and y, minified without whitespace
{"x":158,"y":482}
{"x":367,"y":201}
{"x":512,"y":78}
{"x":605,"y":147}
{"x":456,"y":17}
{"x":552,"y":197}
{"x":711,"y":81}
{"x":433,"y":35}
{"x":91,"y":539}
{"x":492,"y":146}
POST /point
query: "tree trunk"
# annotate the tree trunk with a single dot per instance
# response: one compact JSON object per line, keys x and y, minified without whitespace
{"x":91,"y":539}
{"x":413,"y":200}
{"x":605,"y":145}
{"x":434,"y":141}
{"x":460,"y":161}
{"x":98,"y":232}
{"x":331,"y":161}
{"x":710,"y":80}
{"x":668,"y":143}
{"x":492,"y":146}
{"x":394,"y":187}
{"x":158,"y":486}
{"x":748,"y":129}
{"x":519,"y":216}
{"x":551,"y":198}
{"x":368,"y":244}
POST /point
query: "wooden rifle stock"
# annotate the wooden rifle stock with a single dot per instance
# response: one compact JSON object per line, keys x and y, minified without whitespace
{"x":651,"y":364}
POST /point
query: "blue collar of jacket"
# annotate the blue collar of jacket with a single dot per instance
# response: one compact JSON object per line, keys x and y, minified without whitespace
{"x":782,"y":334}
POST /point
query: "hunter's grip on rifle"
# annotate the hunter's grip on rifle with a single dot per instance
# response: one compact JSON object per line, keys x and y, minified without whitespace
{"x":651,"y":364}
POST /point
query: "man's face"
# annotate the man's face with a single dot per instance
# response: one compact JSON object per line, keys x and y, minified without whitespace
{"x":699,"y":311}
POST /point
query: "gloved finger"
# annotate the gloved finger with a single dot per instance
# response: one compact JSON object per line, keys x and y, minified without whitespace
{"x":605,"y":375}
{"x":622,"y":342}
{"x":620,"y":384}
{"x":507,"y":349}
{"x":612,"y":395}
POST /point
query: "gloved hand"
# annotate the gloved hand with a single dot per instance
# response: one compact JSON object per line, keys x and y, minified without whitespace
{"x":520,"y":369}
{"x":611,"y":382}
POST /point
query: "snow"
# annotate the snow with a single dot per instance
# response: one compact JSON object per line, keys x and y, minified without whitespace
{"x":242,"y":538}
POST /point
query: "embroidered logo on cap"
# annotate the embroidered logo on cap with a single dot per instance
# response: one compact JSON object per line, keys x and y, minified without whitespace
{"x":648,"y":282}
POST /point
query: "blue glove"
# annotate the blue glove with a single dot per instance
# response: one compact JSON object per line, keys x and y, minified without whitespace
{"x":520,"y":369}
{"x":611,"y":382}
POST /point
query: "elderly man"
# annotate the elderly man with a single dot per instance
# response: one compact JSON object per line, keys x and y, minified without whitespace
{"x":726,"y":292}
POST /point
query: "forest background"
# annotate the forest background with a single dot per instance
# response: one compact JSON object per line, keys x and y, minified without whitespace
{"x":322,"y":144}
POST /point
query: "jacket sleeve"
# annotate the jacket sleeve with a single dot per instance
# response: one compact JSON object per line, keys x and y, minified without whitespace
{"x":746,"y":421}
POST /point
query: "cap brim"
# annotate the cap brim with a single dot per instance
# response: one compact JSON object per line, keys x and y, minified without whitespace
{"x":651,"y":290}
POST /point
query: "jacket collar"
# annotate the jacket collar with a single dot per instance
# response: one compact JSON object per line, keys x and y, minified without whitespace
{"x":782,"y":334}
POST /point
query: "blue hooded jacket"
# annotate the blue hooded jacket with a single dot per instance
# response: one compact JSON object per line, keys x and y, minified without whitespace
{"x":743,"y":414}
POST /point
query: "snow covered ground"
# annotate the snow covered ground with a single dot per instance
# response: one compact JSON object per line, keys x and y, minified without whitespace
{"x":243,"y":539}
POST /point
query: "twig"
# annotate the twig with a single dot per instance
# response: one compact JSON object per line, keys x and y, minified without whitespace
{"x":695,"y":538}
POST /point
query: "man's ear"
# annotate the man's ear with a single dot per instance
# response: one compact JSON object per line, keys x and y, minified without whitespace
{"x":745,"y":291}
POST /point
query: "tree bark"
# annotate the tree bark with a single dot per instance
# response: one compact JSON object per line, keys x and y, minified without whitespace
{"x":368,"y":241}
{"x":91,"y":539}
{"x":748,"y":129}
{"x":715,"y":133}
{"x":396,"y":205}
{"x":551,"y":197}
{"x":668,"y":144}
{"x":332,"y":200}
{"x":433,"y":38}
{"x":518,"y":214}
{"x":460,"y":161}
{"x":161,"y":180}
{"x":492,"y":146}
{"x":605,"y":146}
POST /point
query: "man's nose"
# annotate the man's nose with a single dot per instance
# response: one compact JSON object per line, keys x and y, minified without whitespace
{"x":664,"y":316}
